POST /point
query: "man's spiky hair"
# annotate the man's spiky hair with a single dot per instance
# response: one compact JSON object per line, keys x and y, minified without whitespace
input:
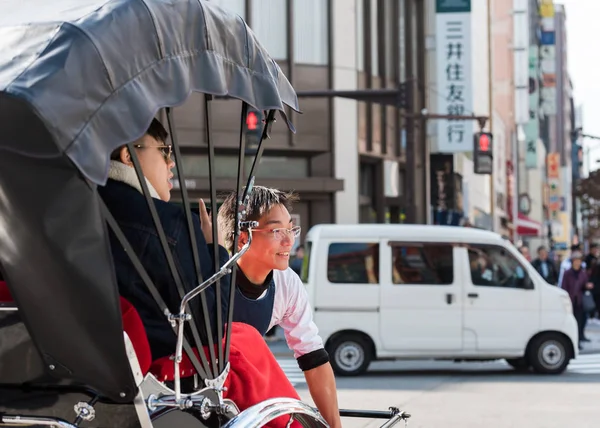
{"x":261,"y":201}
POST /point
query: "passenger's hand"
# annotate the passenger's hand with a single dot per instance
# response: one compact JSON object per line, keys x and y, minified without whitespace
{"x":589,"y":285}
{"x":206,"y":225}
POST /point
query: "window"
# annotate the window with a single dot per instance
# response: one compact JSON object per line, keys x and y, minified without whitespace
{"x":353,"y":263}
{"x":310,"y":32}
{"x":360,"y":36}
{"x":494,"y":266}
{"x":269,"y":23}
{"x":235,"y":6}
{"x":422,"y":264}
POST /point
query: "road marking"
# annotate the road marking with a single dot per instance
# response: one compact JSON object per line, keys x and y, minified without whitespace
{"x":291,"y":370}
{"x":583,"y":364}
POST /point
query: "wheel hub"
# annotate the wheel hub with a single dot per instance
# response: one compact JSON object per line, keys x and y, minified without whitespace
{"x":552,"y":354}
{"x":350,"y":356}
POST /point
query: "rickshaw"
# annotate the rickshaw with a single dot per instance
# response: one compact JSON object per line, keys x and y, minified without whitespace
{"x":79,"y":78}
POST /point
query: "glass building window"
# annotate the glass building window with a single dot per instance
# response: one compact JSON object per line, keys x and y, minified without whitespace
{"x":269,"y":23}
{"x":310,"y":32}
{"x":374,"y":40}
{"x":402,"y":43}
{"x":360,"y":36}
{"x":389,"y":39}
{"x":235,"y":6}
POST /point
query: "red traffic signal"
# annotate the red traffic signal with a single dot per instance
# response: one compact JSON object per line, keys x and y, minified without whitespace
{"x":484,"y":143}
{"x":252,"y":121}
{"x":483,"y":153}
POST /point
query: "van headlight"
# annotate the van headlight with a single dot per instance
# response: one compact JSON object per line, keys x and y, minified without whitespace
{"x":567,"y":304}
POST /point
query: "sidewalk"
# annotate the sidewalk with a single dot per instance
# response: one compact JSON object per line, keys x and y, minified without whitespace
{"x":280,"y":348}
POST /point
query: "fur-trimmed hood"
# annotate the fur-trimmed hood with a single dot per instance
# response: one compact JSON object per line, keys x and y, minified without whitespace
{"x":125,"y":174}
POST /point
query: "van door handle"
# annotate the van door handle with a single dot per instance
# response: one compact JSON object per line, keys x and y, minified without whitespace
{"x":473,"y":295}
{"x":449,"y":298}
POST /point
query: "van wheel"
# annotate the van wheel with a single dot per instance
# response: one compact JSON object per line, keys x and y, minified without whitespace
{"x":549,"y":354}
{"x":519,"y":364}
{"x":350,"y":355}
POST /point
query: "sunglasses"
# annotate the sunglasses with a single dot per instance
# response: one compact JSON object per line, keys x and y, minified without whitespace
{"x":166,"y":150}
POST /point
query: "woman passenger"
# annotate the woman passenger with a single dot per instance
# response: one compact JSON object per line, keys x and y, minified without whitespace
{"x":125,"y":200}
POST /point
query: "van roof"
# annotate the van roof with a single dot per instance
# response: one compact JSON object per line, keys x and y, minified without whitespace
{"x":400,"y":232}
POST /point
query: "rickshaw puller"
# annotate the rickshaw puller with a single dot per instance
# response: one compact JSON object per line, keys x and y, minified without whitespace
{"x":270,"y":293}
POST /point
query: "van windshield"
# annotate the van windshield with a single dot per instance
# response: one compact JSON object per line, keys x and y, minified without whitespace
{"x":306,"y":261}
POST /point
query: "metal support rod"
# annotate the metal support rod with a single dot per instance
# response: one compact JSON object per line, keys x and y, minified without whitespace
{"x":213,"y":212}
{"x":236,"y":228}
{"x":244,"y":199}
{"x":187,"y":209}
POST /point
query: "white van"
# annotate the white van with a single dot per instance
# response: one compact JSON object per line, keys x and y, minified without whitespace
{"x":433,"y":292}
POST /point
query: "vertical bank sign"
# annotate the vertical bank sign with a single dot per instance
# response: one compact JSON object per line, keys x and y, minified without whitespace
{"x":454,"y":80}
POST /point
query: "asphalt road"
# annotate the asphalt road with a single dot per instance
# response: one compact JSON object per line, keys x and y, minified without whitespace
{"x":469,"y":395}
{"x":490,"y":395}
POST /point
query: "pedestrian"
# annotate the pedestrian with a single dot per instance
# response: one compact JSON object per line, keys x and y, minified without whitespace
{"x":545,"y":266}
{"x":576,"y":282}
{"x":566,"y":264}
{"x":524,"y":249}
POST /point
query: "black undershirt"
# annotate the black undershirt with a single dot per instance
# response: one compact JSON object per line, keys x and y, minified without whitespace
{"x":249,"y":289}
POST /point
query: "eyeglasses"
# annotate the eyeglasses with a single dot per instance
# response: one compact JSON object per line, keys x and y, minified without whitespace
{"x":166,"y":150}
{"x":280,"y":233}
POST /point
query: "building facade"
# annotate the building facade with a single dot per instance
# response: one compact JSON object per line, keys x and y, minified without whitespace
{"x":297,"y":34}
{"x":350,"y":156}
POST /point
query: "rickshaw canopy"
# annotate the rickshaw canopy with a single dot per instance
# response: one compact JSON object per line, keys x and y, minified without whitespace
{"x":96,"y":71}
{"x":79,"y":78}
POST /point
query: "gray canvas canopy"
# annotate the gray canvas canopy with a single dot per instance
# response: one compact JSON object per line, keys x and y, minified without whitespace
{"x":78,"y":78}
{"x":96,"y":71}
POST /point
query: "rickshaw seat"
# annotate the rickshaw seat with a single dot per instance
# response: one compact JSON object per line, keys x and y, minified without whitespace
{"x":132,"y":325}
{"x":5,"y":296}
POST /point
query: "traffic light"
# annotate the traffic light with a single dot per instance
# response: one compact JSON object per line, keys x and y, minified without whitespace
{"x":483,"y":153}
{"x":254,"y":127}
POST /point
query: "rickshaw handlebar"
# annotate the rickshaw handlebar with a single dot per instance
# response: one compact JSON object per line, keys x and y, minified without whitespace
{"x":225,"y":269}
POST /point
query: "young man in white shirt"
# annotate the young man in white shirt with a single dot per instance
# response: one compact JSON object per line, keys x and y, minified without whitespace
{"x":270,"y":293}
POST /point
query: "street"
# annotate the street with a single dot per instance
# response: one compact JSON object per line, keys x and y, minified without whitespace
{"x":489,"y":394}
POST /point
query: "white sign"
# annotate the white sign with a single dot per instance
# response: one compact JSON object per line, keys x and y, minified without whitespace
{"x":454,"y":81}
{"x":391,"y":178}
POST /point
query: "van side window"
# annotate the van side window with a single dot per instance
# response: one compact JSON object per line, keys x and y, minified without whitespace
{"x":353,"y":263}
{"x":494,"y":266}
{"x":427,"y":264}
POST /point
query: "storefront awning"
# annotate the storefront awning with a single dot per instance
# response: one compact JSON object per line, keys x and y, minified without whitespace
{"x":528,"y":227}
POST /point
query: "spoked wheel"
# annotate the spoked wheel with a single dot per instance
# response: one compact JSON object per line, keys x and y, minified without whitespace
{"x":350,"y":355}
{"x":549,"y":354}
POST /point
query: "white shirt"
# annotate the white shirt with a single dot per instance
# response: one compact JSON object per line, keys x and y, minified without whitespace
{"x":292,"y":311}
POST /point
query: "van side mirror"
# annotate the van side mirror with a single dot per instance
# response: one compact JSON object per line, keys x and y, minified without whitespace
{"x":528,"y":283}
